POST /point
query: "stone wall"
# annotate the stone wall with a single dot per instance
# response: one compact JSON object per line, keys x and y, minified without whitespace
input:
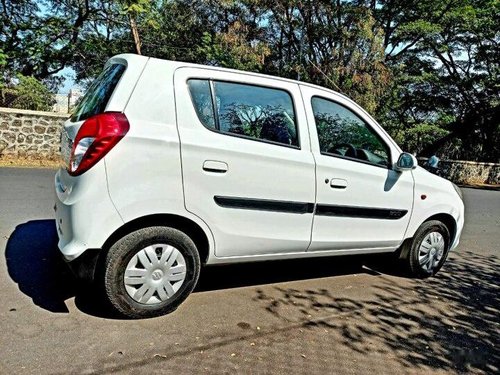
{"x":30,"y":134}
{"x":469,"y":172}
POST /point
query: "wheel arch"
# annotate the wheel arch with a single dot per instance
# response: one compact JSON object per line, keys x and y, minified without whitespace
{"x":188,"y":226}
{"x":447,"y":219}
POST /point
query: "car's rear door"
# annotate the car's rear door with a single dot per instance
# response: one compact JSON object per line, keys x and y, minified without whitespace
{"x":246,"y":163}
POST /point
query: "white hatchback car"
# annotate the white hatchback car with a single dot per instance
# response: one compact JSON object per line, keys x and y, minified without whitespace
{"x":173,"y":165}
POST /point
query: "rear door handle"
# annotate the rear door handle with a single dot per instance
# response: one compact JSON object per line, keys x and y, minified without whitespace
{"x":214,"y":166}
{"x":338,"y":183}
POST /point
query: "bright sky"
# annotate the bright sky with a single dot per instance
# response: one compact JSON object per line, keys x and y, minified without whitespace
{"x":69,"y":74}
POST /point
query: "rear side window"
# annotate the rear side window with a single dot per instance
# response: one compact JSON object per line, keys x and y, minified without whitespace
{"x":99,"y":92}
{"x":202,"y":100}
{"x":249,"y":111}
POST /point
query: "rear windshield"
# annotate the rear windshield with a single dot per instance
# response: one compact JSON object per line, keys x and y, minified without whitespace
{"x":99,"y":92}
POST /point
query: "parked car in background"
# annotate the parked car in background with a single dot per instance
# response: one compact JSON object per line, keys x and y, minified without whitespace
{"x":171,"y":166}
{"x":432,"y":165}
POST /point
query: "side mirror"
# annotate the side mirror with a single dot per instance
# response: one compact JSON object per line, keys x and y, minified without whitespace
{"x":406,"y":162}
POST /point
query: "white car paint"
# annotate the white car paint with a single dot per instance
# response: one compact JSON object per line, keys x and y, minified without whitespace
{"x":85,"y":215}
{"x":255,"y":170}
{"x":366,"y":185}
{"x":157,"y":168}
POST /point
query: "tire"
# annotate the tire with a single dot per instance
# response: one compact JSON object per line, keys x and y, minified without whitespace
{"x":426,"y":253}
{"x":131,"y":272}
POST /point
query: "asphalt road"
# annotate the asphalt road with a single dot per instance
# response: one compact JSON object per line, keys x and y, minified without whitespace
{"x":301,"y":317}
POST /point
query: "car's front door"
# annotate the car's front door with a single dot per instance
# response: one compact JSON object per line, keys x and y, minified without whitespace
{"x":361,"y":202}
{"x":247,"y":168}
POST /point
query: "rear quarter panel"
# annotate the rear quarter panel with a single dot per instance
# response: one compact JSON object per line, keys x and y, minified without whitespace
{"x":144,"y":169}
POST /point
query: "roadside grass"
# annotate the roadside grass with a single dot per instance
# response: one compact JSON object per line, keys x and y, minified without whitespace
{"x":29,"y":162}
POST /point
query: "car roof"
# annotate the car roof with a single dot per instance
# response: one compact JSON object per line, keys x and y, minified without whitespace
{"x":131,"y":58}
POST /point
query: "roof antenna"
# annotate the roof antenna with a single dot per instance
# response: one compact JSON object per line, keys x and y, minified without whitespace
{"x":300,"y":60}
{"x":327,"y":78}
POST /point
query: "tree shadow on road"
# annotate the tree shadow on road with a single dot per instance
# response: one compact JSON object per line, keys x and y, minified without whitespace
{"x":448,"y":322}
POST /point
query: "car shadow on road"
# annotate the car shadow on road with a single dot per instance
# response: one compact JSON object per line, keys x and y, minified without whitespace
{"x":271,"y":272}
{"x":35,"y":264}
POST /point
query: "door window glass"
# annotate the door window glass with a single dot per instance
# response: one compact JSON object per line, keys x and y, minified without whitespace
{"x":202,"y":100}
{"x":256,"y":112}
{"x":342,"y":133}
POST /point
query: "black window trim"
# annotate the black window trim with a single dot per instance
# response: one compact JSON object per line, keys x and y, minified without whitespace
{"x":242,"y":136}
{"x":214,"y":105}
{"x":389,"y":165}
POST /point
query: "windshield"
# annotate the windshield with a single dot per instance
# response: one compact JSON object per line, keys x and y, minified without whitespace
{"x":99,"y":92}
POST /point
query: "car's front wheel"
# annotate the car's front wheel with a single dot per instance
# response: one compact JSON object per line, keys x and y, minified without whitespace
{"x":150,"y":272}
{"x":428,"y":250}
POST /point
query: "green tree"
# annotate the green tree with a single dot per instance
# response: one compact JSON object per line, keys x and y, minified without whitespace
{"x":445,"y":56}
{"x":3,"y":58}
{"x":427,"y":70}
{"x":232,"y":49}
{"x":333,"y":44}
{"x":26,"y":93}
{"x":3,"y":62}
{"x":43,"y":38}
{"x":178,"y":32}
{"x":135,"y":9}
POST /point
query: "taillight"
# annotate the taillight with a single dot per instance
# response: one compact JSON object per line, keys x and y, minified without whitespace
{"x":96,"y":137}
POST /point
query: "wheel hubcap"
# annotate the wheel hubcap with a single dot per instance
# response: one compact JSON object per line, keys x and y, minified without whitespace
{"x":154,"y":274}
{"x":431,"y":251}
{"x":157,"y":275}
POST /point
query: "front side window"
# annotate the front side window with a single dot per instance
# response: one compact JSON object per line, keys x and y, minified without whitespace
{"x":96,"y":99}
{"x":342,"y":133}
{"x":255,"y":112}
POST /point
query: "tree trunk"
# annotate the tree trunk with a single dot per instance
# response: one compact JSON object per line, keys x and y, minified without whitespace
{"x":135,"y":34}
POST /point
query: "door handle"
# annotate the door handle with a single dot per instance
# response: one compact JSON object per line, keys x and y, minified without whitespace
{"x":338,"y":183}
{"x":215,"y":166}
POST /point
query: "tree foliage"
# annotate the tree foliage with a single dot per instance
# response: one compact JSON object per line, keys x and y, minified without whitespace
{"x":26,"y":93}
{"x":445,"y":56}
{"x":427,"y":70}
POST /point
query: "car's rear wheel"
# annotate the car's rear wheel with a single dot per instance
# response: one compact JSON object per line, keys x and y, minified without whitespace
{"x":150,"y":272}
{"x":428,"y":250}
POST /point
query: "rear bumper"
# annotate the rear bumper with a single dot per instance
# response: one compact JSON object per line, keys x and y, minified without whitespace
{"x":85,"y":215}
{"x":84,"y":267}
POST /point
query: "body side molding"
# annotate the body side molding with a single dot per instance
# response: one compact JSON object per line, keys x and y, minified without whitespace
{"x":308,"y":207}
